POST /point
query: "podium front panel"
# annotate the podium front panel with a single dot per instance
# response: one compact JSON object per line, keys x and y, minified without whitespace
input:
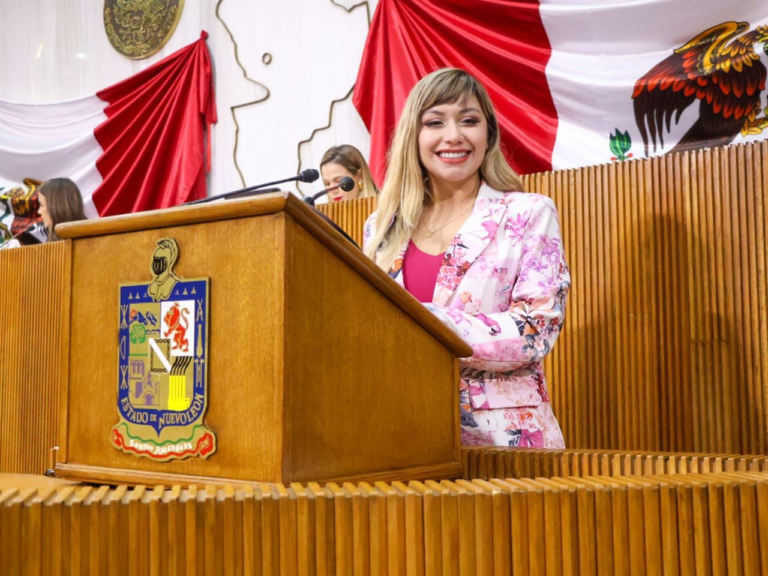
{"x":244,"y":260}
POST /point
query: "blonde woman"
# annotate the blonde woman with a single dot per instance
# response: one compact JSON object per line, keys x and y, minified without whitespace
{"x":346,"y":160}
{"x":454,"y":227}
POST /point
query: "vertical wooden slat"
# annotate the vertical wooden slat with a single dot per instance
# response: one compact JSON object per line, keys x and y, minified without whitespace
{"x":34,"y":328}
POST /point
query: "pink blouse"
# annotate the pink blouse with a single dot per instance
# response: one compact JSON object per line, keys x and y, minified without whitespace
{"x":420,"y":272}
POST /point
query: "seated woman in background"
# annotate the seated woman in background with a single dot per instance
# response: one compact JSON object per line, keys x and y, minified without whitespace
{"x":455,"y":228}
{"x":60,"y":201}
{"x":346,"y":160}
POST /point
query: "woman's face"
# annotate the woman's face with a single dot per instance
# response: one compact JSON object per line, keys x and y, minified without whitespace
{"x":44,"y":213}
{"x":332,"y":175}
{"x":453,"y":139}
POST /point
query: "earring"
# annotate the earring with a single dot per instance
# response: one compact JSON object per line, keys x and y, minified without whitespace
{"x":360,"y":185}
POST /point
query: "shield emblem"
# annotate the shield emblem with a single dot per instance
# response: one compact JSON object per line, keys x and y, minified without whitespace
{"x":162,"y":377}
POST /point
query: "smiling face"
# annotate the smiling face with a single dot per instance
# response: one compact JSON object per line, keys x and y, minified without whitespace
{"x":332,"y":175}
{"x":453,"y":139}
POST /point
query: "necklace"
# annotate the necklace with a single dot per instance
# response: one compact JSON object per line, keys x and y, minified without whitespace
{"x":430,"y":233}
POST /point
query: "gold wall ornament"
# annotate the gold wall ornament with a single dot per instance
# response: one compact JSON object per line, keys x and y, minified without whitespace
{"x":140,"y":28}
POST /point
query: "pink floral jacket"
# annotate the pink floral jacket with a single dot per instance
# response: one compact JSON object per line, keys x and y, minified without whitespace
{"x":502,"y":287}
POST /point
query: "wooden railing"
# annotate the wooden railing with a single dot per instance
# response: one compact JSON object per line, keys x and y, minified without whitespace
{"x":489,"y":462}
{"x":579,"y":525}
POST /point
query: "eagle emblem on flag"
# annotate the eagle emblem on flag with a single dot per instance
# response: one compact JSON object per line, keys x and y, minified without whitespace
{"x":163,"y":351}
{"x":720,"y":69}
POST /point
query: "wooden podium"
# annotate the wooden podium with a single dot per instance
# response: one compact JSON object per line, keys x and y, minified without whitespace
{"x":320,"y":367}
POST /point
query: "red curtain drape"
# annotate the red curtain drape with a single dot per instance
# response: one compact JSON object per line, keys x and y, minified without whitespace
{"x":155,"y":137}
{"x":503,"y":44}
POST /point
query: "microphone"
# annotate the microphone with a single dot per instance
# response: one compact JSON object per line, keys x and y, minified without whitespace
{"x":345,"y":184}
{"x":308,"y":175}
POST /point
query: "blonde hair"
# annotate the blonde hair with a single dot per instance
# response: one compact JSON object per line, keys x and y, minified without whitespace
{"x":406,"y":189}
{"x":353,"y":162}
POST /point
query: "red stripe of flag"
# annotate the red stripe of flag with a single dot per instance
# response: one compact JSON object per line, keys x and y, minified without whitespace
{"x":503,"y":44}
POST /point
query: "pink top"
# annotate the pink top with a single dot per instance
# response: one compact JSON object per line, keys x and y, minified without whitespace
{"x":420,"y":272}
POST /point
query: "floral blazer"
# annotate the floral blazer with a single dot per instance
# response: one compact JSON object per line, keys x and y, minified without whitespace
{"x":502,"y":287}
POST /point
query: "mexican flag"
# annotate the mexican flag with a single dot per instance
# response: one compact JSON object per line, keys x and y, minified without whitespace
{"x":138,"y":145}
{"x":578,"y":83}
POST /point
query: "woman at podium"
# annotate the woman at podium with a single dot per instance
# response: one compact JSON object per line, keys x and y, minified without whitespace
{"x":455,"y":228}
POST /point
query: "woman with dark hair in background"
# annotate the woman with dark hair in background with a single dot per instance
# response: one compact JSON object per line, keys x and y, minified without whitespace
{"x":60,"y":201}
{"x":346,"y":160}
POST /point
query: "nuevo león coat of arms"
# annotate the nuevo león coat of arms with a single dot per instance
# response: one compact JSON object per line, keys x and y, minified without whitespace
{"x":163,"y":348}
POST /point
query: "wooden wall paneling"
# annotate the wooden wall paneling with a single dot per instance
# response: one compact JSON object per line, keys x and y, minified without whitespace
{"x":745,"y":417}
{"x":34,"y":316}
{"x":726,"y":420}
{"x":572,"y":411}
{"x":647,"y":354}
{"x":748,"y":414}
{"x":657,"y":225}
{"x":699,"y":290}
{"x":350,"y":215}
{"x":704,"y":311}
{"x":679,"y":186}
{"x":760,"y":170}
{"x":752,"y":400}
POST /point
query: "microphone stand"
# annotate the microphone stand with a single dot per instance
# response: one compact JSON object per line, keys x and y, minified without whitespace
{"x":311,"y":199}
{"x":308,"y":175}
{"x":240,"y":193}
{"x":346,"y":184}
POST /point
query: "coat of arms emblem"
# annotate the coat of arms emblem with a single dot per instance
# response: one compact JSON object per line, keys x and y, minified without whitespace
{"x":163,"y":348}
{"x":140,"y":28}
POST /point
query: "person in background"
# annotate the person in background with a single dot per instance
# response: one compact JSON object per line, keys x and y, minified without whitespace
{"x":346,"y":160}
{"x":60,"y":201}
{"x":455,"y":228}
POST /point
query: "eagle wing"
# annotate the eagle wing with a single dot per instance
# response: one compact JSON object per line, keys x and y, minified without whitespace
{"x":696,"y":70}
